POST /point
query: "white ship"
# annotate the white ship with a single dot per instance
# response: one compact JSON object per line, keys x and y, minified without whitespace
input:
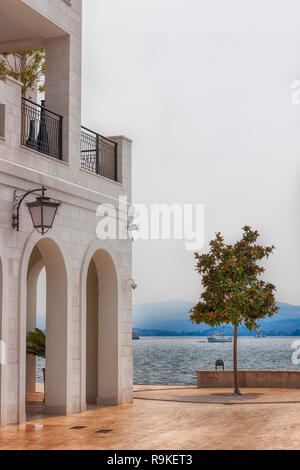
{"x":219,"y":338}
{"x":259,"y":334}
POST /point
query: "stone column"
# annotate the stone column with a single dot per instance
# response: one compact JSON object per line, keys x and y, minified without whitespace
{"x":63,"y":92}
{"x":125,"y":372}
{"x":124,"y":162}
{"x":10,"y":100}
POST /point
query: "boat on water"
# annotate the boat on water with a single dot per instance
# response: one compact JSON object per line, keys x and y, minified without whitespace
{"x":135,"y":335}
{"x":219,"y":338}
{"x":259,"y":334}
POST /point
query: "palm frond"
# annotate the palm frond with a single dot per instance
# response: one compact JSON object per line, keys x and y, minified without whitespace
{"x":36,"y":343}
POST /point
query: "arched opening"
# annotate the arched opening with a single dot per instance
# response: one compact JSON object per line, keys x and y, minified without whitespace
{"x":101,"y":331}
{"x":92,"y":342}
{"x":35,"y":267}
{"x":47,"y":293}
{"x":36,"y":318}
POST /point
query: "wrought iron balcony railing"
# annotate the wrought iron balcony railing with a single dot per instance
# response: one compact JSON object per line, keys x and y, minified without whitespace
{"x":41,"y":129}
{"x":99,"y":154}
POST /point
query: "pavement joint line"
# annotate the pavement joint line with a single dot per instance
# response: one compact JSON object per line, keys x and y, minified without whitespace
{"x":219,"y":403}
{"x":162,"y":389}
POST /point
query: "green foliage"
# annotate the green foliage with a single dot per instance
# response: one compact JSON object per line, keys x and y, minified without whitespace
{"x":233,"y":291}
{"x":36,"y":343}
{"x":28,"y":67}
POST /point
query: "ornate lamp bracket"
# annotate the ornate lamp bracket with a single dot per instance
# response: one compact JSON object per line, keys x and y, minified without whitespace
{"x":18,"y":199}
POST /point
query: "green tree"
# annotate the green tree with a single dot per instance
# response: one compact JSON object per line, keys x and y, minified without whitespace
{"x":28,"y":67}
{"x":36,"y":343}
{"x":233,"y":291}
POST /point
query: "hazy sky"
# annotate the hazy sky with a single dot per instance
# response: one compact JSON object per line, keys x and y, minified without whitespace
{"x":204,"y":90}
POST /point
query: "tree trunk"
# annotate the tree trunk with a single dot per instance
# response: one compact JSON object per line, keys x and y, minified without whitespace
{"x":22,"y":69}
{"x":236,"y":377}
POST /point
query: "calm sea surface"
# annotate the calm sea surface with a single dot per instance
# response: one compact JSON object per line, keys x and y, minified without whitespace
{"x":174,"y":360}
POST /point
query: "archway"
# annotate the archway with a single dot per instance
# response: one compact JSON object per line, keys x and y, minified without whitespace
{"x":46,"y":253}
{"x":101,"y":330}
{"x":36,"y":264}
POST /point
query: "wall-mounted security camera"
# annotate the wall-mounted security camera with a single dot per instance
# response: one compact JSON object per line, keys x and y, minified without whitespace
{"x":133,"y":284}
{"x":133,"y":228}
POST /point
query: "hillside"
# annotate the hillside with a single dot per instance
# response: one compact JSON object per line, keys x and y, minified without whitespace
{"x":174,"y":316}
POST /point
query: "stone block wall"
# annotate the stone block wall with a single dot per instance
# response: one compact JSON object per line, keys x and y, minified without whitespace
{"x":249,"y":379}
{"x":74,"y":232}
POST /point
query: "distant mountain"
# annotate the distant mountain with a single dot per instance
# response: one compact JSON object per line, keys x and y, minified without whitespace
{"x":146,"y":332}
{"x":173,"y":316}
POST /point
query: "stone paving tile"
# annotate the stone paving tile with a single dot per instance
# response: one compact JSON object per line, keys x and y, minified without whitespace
{"x":263,"y":423}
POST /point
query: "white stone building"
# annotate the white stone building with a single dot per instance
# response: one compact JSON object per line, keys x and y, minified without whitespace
{"x":88,"y":313}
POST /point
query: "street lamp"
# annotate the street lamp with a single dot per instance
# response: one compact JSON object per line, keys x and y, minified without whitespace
{"x":42,"y":211}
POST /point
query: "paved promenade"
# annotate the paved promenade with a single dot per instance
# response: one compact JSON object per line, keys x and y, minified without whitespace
{"x":172,"y":418}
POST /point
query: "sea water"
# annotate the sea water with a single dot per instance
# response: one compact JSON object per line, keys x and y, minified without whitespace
{"x":174,"y":360}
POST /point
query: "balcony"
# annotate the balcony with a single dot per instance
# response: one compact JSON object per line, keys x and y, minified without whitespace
{"x":41,"y":129}
{"x":23,"y":27}
{"x":99,"y":154}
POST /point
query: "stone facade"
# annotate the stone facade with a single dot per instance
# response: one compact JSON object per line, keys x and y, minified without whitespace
{"x":67,"y":250}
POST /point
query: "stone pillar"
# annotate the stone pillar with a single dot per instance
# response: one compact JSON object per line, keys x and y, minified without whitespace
{"x":125,"y":370}
{"x":63,"y":92}
{"x":124,"y":162}
{"x":2,"y":352}
{"x":10,"y":100}
{"x":107,"y":329}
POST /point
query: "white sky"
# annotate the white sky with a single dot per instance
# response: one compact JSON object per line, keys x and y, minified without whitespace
{"x":204,"y":90}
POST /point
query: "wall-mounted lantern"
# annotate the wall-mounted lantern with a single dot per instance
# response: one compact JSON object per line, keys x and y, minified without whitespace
{"x":42,"y":211}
